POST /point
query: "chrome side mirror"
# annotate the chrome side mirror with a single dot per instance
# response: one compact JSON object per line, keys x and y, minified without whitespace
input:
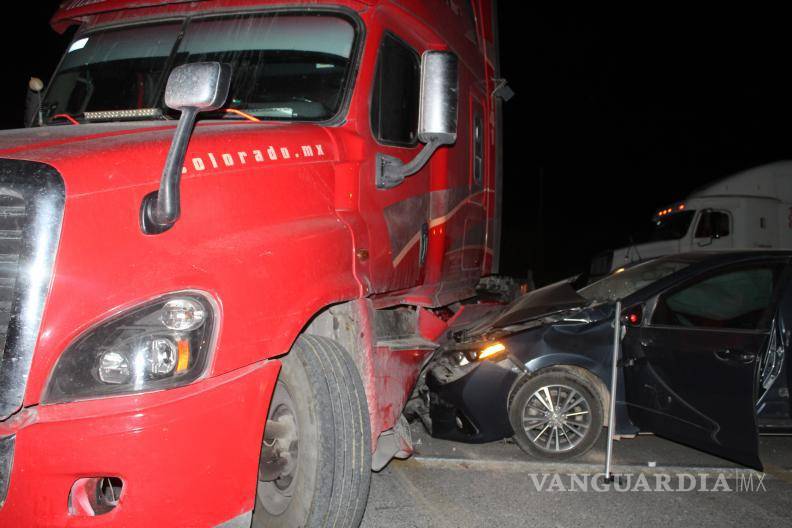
{"x":437,"y":117}
{"x":191,"y":89}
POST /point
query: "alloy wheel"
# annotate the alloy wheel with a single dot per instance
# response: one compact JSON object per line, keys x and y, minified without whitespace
{"x":556,"y":418}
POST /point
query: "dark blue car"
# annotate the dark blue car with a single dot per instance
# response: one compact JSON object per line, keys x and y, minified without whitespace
{"x":703,"y":360}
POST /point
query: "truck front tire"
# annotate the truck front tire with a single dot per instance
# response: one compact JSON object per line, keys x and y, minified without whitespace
{"x":315,"y":467}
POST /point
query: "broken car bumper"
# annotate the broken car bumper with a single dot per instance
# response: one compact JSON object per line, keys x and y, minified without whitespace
{"x":470,"y":405}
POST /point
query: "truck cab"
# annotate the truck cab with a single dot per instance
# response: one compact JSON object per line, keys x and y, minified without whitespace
{"x":748,"y":210}
{"x":232,"y":232}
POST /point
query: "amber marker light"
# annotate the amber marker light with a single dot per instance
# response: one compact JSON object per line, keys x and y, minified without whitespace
{"x":184,"y":355}
{"x":491,"y":350}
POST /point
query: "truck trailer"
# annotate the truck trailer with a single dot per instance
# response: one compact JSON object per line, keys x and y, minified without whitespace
{"x":233,"y":232}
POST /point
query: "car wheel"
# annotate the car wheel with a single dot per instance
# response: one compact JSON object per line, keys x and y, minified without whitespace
{"x":556,"y":415}
{"x":315,"y":466}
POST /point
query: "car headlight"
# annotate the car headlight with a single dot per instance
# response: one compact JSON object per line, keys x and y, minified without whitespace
{"x":159,"y":345}
{"x":488,"y":350}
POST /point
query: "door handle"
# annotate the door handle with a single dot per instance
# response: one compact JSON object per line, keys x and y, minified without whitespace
{"x":734,"y":356}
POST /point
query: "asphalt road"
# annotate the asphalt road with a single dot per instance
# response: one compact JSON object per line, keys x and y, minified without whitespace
{"x":495,"y":485}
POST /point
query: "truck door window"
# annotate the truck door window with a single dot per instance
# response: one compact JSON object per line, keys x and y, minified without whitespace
{"x":394,"y":101}
{"x":737,"y":299}
{"x":713,"y":224}
{"x":285,"y":66}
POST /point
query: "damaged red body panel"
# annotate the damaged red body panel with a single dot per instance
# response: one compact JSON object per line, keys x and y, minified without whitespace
{"x":279,"y":222}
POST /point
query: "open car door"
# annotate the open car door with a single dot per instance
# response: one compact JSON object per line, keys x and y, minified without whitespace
{"x":691,"y":370}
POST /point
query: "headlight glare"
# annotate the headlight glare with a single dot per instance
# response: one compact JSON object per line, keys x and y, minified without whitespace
{"x":487,"y":350}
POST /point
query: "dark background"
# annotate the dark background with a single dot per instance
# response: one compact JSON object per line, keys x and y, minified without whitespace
{"x":620,"y":113}
{"x":617,"y":113}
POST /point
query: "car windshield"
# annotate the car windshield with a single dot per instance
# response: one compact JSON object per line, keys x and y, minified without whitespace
{"x":621,"y":284}
{"x":672,"y":227}
{"x":285,"y":67}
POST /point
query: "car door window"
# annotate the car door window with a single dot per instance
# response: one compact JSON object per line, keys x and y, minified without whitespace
{"x":394,"y":102}
{"x":737,"y":299}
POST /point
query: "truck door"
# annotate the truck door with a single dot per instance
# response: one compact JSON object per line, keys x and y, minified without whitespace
{"x":398,"y":217}
{"x":691,"y":371}
{"x":714,"y":230}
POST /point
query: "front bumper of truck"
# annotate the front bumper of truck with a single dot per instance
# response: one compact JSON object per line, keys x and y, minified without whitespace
{"x":185,"y":457}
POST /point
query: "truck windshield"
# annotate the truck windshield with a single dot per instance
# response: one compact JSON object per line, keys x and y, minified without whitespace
{"x":619,"y":285}
{"x":285,"y":67}
{"x":672,"y":227}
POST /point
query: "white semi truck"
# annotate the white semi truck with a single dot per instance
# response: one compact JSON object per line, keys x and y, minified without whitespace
{"x":748,"y":210}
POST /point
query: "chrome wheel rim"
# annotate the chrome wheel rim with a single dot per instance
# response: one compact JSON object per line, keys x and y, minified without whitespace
{"x":556,"y":418}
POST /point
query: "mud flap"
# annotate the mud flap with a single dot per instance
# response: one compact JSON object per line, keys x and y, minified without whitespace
{"x":393,"y":443}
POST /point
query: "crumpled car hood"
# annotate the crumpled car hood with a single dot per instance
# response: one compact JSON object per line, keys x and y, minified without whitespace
{"x":558,"y":302}
{"x":553,"y":298}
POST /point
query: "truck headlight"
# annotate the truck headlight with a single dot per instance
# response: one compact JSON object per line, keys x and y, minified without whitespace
{"x":159,"y":345}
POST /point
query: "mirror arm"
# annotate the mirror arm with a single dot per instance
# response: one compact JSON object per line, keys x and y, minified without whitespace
{"x":391,"y":171}
{"x":162,"y":208}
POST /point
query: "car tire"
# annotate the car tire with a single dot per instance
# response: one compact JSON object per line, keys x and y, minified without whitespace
{"x":324,"y":477}
{"x":556,"y":415}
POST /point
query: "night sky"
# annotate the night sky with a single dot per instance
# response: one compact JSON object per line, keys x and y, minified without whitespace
{"x":617,"y":113}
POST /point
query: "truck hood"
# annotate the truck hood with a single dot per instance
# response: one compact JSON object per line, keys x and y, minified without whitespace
{"x":22,"y":140}
{"x":105,"y":156}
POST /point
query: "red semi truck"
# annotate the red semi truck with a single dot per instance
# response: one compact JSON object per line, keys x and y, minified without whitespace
{"x":218,"y":324}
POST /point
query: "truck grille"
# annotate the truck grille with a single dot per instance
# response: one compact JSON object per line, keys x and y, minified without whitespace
{"x":12,"y":220}
{"x":32,"y":198}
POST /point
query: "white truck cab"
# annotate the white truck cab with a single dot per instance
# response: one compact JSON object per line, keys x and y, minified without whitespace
{"x":748,"y":210}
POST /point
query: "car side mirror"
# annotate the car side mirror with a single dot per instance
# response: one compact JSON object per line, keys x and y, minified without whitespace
{"x":437,"y":117}
{"x":192,"y":88}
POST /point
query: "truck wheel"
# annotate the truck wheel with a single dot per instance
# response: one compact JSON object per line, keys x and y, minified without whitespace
{"x":556,"y":416}
{"x":315,"y":466}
